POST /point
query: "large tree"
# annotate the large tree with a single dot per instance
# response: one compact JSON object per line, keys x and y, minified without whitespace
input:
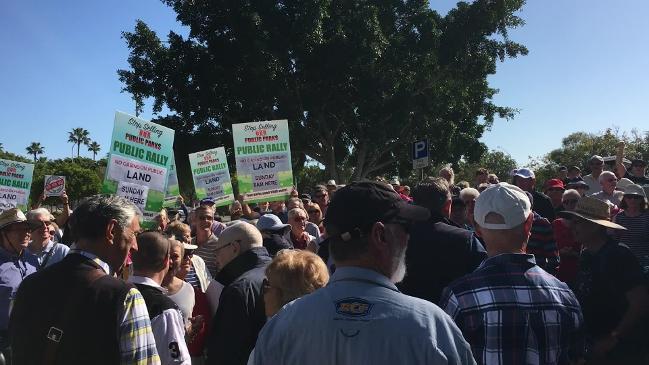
{"x":35,"y":149}
{"x":79,"y":136}
{"x":358,"y":80}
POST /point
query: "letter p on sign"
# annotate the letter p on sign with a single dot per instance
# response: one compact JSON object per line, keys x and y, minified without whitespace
{"x":419,"y":154}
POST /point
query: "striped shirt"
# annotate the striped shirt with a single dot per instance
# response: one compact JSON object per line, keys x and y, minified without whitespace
{"x":207,"y":251}
{"x":191,"y":278}
{"x":136,"y":342}
{"x":513,"y":312}
{"x":636,"y":237}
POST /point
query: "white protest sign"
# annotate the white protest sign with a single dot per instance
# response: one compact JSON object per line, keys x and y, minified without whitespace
{"x":53,"y":185}
{"x":127,"y":170}
{"x":135,"y":193}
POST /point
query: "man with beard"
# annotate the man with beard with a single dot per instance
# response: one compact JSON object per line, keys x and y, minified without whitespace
{"x":509,"y":309}
{"x":360,"y":317}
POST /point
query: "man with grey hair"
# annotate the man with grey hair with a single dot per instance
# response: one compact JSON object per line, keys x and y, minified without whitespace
{"x":241,"y":259}
{"x":510,"y":310}
{"x":90,"y":316}
{"x":596,"y":166}
{"x":42,"y":245}
{"x":360,"y":317}
{"x":607,"y":193}
{"x":151,"y":263}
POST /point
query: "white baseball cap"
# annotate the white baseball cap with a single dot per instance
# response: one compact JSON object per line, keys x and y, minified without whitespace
{"x":506,"y":200}
{"x":524,"y":173}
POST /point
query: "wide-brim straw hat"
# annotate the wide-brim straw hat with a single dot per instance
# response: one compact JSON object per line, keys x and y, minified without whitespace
{"x":12,"y":216}
{"x":593,"y":210}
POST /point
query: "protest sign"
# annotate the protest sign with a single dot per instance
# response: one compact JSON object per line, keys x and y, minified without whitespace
{"x":15,"y":184}
{"x":212,"y":176}
{"x":53,"y":185}
{"x":141,"y":155}
{"x":173,"y":190}
{"x":263,"y":156}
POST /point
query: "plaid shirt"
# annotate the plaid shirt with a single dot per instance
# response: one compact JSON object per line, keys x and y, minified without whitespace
{"x":513,"y":312}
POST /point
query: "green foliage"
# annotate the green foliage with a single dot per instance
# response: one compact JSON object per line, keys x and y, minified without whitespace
{"x":577,"y":148}
{"x":82,"y":177}
{"x":35,"y":149}
{"x":94,"y":147}
{"x":358,"y":80}
{"x":308,"y":177}
{"x":497,"y":162}
{"x":78,"y":136}
{"x":6,"y":155}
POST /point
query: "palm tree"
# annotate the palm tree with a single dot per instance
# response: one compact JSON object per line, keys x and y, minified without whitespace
{"x":35,"y":149}
{"x":78,"y":136}
{"x":94,"y":147}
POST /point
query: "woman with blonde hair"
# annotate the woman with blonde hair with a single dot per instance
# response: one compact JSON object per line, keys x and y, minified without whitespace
{"x":292,"y":274}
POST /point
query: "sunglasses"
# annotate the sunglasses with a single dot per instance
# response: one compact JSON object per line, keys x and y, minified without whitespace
{"x":188,"y":253}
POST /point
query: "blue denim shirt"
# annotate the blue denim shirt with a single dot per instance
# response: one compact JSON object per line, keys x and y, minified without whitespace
{"x":360,"y":317}
{"x":13,"y":269}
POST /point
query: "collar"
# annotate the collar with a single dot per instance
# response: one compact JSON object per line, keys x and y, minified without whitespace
{"x":510,"y":258}
{"x":246,"y":261}
{"x":136,"y":279}
{"x":93,"y":257}
{"x":355,"y":273}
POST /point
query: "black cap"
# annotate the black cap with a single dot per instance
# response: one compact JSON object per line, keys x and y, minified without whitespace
{"x":357,"y":206}
{"x":638,"y":161}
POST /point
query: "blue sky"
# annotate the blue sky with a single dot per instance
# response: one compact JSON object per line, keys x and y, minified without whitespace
{"x":587,"y":70}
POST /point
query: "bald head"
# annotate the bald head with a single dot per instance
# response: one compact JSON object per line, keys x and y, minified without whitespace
{"x":152,"y":254}
{"x":245,"y":234}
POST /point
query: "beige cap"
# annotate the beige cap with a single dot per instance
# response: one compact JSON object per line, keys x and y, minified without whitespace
{"x":244,"y":233}
{"x":12,"y":216}
{"x":593,"y":210}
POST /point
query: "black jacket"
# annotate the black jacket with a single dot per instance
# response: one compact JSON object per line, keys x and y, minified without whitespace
{"x":241,"y":314}
{"x":73,"y":298}
{"x":438,"y":253}
{"x":543,"y":205}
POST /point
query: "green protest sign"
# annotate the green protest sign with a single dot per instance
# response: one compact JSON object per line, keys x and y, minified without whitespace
{"x":15,"y":184}
{"x":173,"y":190}
{"x":141,"y":154}
{"x":263,"y":156}
{"x":212,"y":176}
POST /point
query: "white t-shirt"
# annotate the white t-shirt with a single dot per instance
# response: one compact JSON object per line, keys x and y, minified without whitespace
{"x":185,"y":300}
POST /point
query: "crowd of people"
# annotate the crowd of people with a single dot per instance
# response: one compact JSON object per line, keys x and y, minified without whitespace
{"x":373,"y":272}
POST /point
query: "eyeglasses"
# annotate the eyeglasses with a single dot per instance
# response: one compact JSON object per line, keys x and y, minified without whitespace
{"x":226,"y":245}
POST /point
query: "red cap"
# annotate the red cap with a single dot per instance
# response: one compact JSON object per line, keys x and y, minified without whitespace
{"x":553,"y":183}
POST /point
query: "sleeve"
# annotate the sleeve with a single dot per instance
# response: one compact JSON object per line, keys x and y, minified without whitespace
{"x":231,"y":338}
{"x":136,"y":341}
{"x":169,"y":331}
{"x":449,"y":303}
{"x":478,"y":253}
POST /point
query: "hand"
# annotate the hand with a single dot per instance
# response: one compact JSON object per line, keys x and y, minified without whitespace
{"x":604,"y":345}
{"x":64,"y":198}
{"x":194,"y":326}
